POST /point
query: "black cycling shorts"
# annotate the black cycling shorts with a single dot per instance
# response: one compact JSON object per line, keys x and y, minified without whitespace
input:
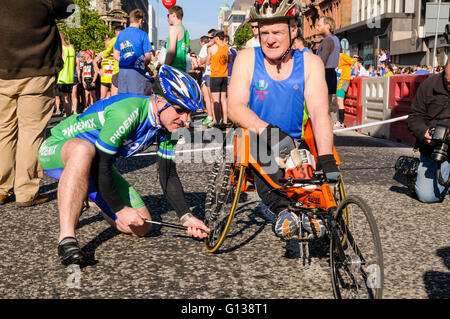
{"x":65,"y":88}
{"x":89,"y":86}
{"x":219,"y":84}
{"x":331,"y":78}
{"x":115,"y":80}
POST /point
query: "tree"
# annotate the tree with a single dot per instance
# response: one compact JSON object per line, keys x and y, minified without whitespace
{"x":84,"y":28}
{"x":242,"y":35}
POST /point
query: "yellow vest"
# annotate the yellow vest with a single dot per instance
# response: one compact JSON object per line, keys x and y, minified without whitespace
{"x":107,"y":69}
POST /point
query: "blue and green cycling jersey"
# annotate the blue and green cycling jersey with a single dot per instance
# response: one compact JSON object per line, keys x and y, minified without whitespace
{"x":120,"y":125}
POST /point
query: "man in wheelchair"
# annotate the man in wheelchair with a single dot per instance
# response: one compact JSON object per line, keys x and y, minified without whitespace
{"x":269,"y":97}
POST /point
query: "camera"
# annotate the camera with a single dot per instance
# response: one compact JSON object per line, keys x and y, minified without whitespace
{"x":440,"y":135}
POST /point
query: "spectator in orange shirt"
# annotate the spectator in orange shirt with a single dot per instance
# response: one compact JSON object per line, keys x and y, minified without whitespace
{"x":345,"y":67}
{"x":218,"y":57}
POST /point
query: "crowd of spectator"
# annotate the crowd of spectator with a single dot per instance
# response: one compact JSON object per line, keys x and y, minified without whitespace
{"x":384,"y":64}
{"x":96,"y":75}
{"x":129,"y":64}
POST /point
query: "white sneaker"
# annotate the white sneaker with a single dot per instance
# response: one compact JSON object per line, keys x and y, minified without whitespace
{"x":339,"y":125}
{"x":181,"y":140}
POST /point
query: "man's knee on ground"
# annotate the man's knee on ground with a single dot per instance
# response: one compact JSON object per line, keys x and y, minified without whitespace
{"x":427,"y":198}
{"x":427,"y":195}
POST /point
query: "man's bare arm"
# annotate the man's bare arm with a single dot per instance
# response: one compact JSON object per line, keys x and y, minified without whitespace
{"x":211,"y":52}
{"x":116,"y":55}
{"x":171,"y":50}
{"x":148,"y":57}
{"x":316,"y":98}
{"x":97,"y":60}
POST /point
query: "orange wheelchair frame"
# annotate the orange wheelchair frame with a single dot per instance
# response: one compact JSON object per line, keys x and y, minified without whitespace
{"x":347,"y":261}
{"x":320,"y":197}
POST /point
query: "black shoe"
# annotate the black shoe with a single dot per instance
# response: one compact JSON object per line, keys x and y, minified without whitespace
{"x":39,"y":199}
{"x":7,"y":198}
{"x":69,"y":252}
{"x":292,"y":249}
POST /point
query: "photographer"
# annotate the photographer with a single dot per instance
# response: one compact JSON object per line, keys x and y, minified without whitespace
{"x":430,"y":112}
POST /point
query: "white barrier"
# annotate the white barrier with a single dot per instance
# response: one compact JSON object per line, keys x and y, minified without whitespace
{"x":375,"y":108}
{"x":342,"y":130}
{"x":367,"y":125}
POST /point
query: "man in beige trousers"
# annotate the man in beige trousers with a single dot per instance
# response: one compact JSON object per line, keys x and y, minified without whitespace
{"x":31,"y":58}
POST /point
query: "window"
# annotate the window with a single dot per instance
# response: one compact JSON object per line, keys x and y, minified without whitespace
{"x":238,"y":18}
{"x":423,"y":6}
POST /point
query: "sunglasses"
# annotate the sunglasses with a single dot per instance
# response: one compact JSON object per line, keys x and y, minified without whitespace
{"x":254,"y":27}
{"x":180,"y":110}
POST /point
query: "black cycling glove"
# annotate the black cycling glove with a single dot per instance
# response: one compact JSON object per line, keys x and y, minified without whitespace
{"x":327,"y":164}
{"x":284,"y":143}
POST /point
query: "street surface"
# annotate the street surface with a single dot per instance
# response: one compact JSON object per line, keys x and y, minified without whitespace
{"x":168,"y":264}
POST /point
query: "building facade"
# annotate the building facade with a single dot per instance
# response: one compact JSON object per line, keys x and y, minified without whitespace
{"x":116,"y":13}
{"x":339,"y":10}
{"x":224,"y":13}
{"x":395,"y":25}
{"x":152,"y":26}
{"x":111,"y":12}
{"x":239,"y":14}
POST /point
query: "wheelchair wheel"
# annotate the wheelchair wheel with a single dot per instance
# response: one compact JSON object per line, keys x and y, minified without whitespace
{"x":222,"y":199}
{"x":339,"y":191}
{"x":339,"y":195}
{"x":356,"y":258}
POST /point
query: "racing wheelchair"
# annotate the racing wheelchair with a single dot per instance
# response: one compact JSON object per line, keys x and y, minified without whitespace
{"x":355,"y":253}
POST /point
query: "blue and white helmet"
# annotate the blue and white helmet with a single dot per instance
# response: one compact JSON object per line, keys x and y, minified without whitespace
{"x":178,"y":88}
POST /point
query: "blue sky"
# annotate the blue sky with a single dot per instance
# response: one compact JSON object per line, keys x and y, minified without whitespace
{"x":199,"y":16}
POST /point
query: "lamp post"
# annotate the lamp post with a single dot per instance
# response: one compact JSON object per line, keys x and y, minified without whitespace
{"x":436,"y":34}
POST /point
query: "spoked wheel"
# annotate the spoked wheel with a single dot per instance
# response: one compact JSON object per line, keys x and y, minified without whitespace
{"x":356,"y":258}
{"x":339,"y":195}
{"x":339,"y":191}
{"x":222,"y":199}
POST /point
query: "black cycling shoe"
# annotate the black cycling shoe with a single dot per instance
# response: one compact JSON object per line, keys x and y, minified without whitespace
{"x":69,"y":252}
{"x":292,"y":249}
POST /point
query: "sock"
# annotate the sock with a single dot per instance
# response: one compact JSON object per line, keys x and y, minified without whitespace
{"x":341,"y":115}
